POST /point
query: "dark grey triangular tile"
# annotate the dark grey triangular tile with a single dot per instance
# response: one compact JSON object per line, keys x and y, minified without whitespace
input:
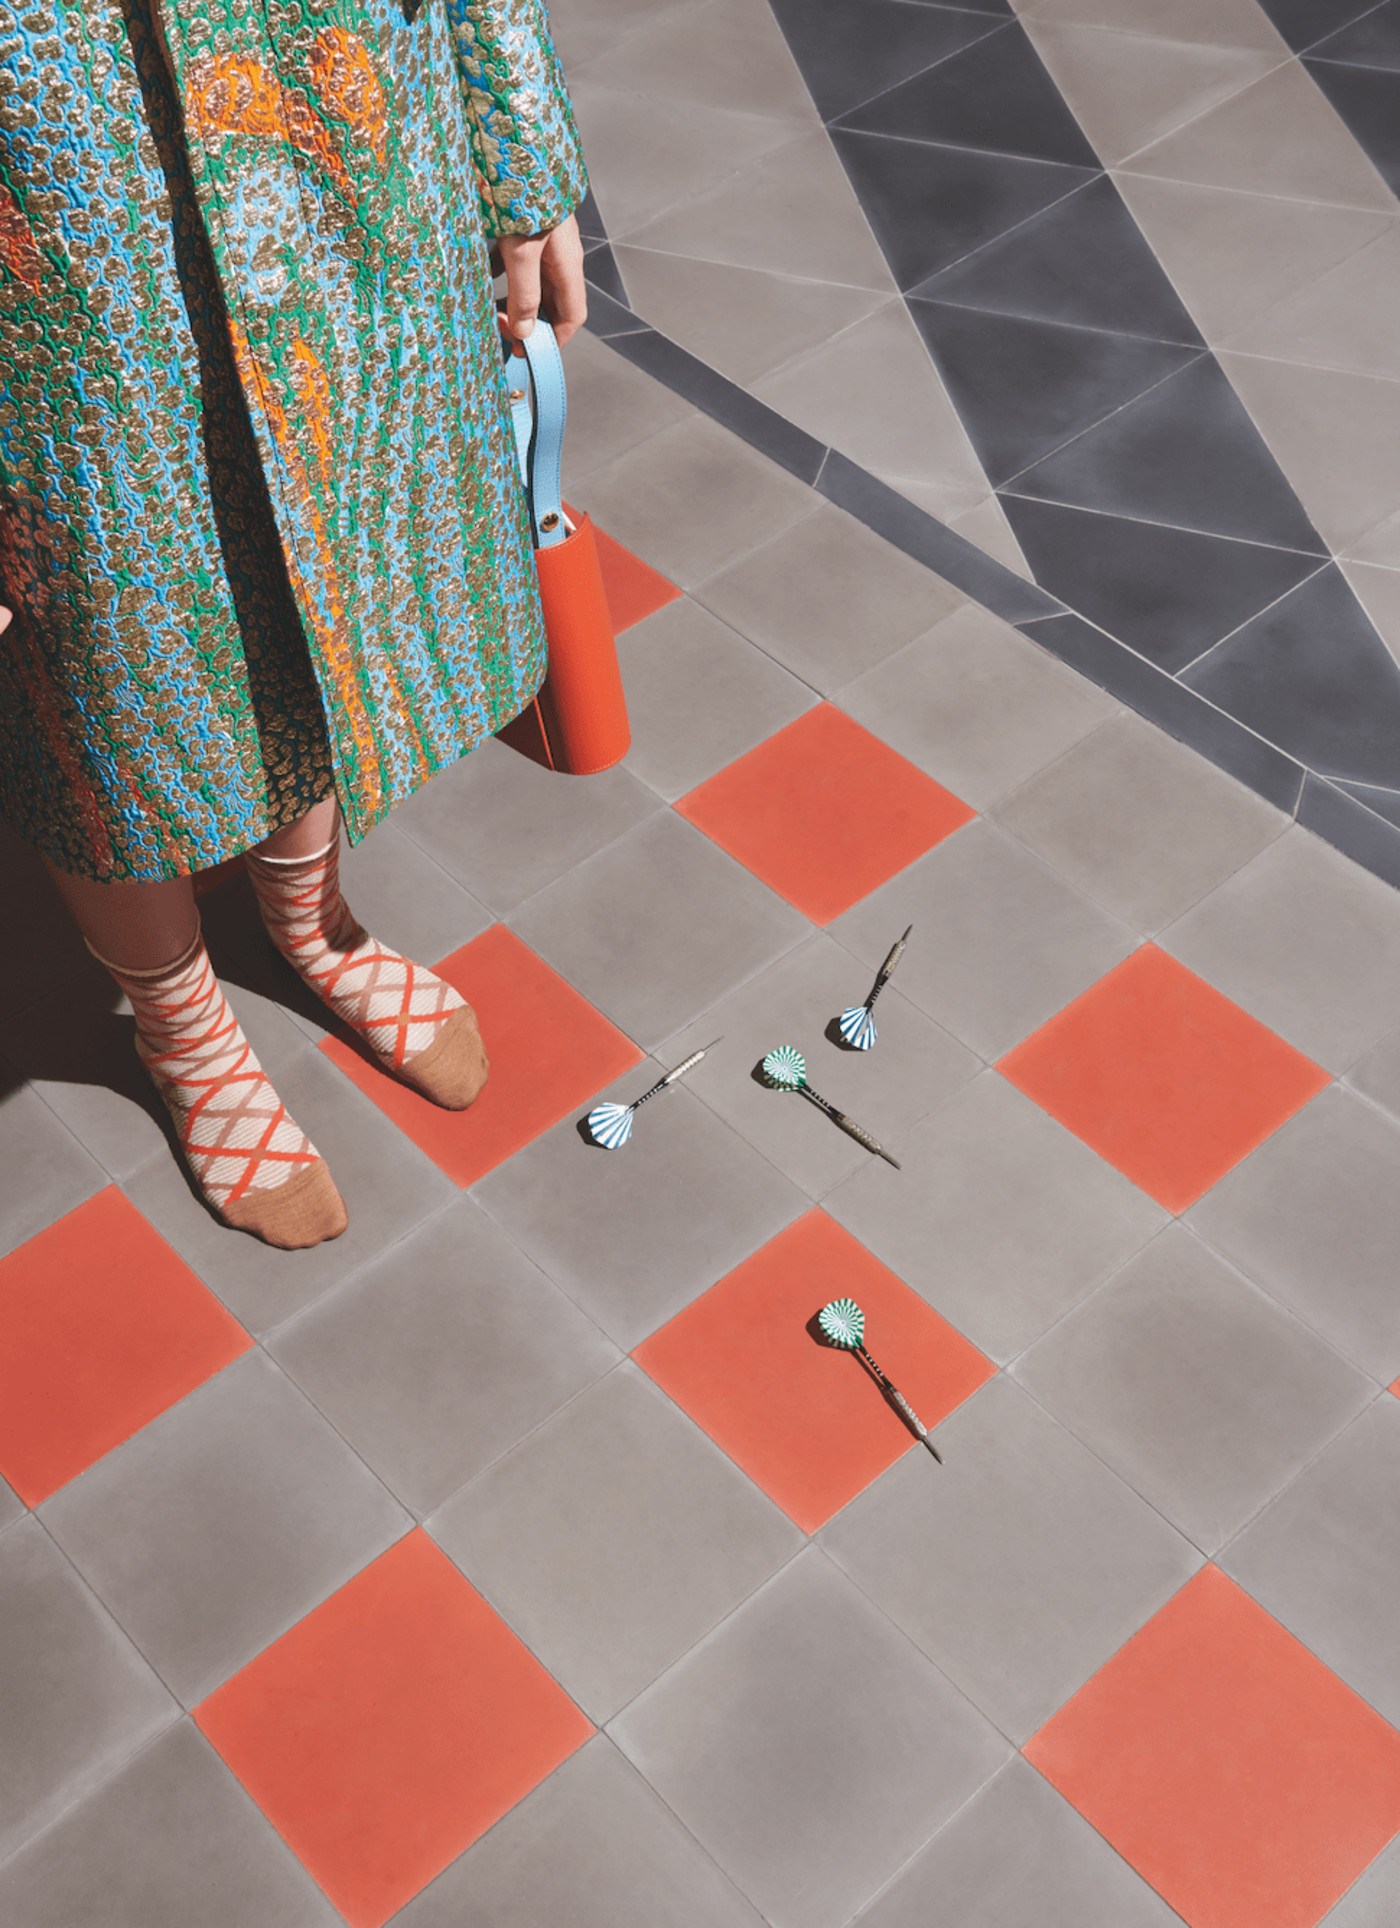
{"x":1329,"y":811}
{"x":1185,"y":453}
{"x":1084,"y":261}
{"x":1168,"y":593}
{"x":601,"y":271}
{"x":1304,"y":22}
{"x":850,"y":49}
{"x":1368,"y":100}
{"x":1385,"y":803}
{"x":995,"y":95}
{"x":1025,"y":387}
{"x":1312,"y":675}
{"x":1371,"y":41}
{"x":930,"y":205}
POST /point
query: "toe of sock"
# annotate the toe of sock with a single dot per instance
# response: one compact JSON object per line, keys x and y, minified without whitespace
{"x":453,"y":1070}
{"x":303,"y":1212}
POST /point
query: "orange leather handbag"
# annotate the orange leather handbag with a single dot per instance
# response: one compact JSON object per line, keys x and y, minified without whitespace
{"x":578,"y":722}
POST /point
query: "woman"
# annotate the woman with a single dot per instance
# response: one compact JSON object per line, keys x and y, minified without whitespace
{"x":261,"y":532}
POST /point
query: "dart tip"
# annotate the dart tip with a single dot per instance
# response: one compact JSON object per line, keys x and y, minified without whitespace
{"x":891,"y":1161}
{"x":905,"y":938}
{"x":934,"y":1450}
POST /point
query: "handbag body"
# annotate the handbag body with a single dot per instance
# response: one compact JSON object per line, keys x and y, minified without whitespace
{"x":577,"y":723}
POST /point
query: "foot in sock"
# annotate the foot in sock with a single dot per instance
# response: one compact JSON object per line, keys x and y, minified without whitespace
{"x":252,"y":1162}
{"x":417,"y":1027}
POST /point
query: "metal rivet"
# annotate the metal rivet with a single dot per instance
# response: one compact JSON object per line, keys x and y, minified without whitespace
{"x":550,"y":521}
{"x":517,"y":394}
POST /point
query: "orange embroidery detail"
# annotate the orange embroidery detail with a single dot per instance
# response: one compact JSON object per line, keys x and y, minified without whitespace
{"x":345,"y":80}
{"x":18,"y":249}
{"x":313,"y":397}
{"x":232,"y":94}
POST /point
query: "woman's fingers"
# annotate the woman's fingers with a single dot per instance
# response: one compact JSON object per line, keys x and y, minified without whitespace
{"x":563,"y":271}
{"x":521,"y":255}
{"x":544,"y":271}
{"x":4,"y":619}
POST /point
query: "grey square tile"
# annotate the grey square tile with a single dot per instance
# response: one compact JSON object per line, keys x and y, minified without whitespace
{"x":75,"y":1696}
{"x":1001,"y":1218}
{"x":388,"y":1185}
{"x":698,"y":696}
{"x":442,"y":1354}
{"x":1017,"y":1854}
{"x":634,"y":1235}
{"x":809,"y":1746}
{"x":222,"y":1523}
{"x":1314,"y":1216}
{"x":506,"y":827}
{"x":976,"y":705}
{"x":1374,"y":1900}
{"x":725,"y":54}
{"x":693,"y":499}
{"x":582,"y":28}
{"x":12,"y":1507}
{"x":1307,"y":942}
{"x":1021,"y":1567}
{"x":658,"y":927}
{"x":829,"y":598}
{"x":1377,"y":1075}
{"x":593,"y":1846}
{"x":47,"y":1172}
{"x":1141,"y":822}
{"x":612,"y":407}
{"x":1003,"y":943}
{"x":1325,"y":1559}
{"x":406,"y":899}
{"x":170,"y":1841}
{"x":1193,"y":1386}
{"x":912,"y":1069}
{"x":614,"y":1538}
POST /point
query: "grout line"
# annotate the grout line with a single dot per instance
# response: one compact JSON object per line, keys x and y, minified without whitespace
{"x":1183,"y":669}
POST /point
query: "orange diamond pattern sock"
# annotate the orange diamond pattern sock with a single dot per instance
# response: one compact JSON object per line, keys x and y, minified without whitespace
{"x":417,"y":1027}
{"x":254,"y":1164}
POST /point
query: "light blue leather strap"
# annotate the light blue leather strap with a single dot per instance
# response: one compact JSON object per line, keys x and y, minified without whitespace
{"x":537,"y":416}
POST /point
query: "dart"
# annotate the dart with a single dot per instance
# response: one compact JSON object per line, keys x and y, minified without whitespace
{"x":843,"y":1322}
{"x":786,"y":1070}
{"x":611,"y":1125}
{"x":857,"y":1026}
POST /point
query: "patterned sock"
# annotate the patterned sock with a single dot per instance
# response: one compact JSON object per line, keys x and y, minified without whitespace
{"x":417,"y":1026}
{"x":250,"y":1159}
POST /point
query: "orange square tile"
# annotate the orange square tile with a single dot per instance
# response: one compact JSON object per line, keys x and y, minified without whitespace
{"x":549,"y":1050}
{"x":102,"y":1326}
{"x":1234,"y":1771}
{"x":390,"y":1728}
{"x":824,"y":812}
{"x":1163,"y":1076}
{"x":633,"y":588}
{"x":804,"y":1420}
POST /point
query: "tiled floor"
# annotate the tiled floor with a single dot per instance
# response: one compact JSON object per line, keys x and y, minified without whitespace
{"x":522,"y":1557}
{"x":1104,"y":287}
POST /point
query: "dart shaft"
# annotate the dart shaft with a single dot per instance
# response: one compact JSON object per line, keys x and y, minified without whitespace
{"x":883,"y":975}
{"x":686,"y":1064}
{"x":863,"y":1137}
{"x":901,"y":1404}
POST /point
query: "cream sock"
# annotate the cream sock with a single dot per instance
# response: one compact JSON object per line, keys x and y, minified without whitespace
{"x":250,"y":1159}
{"x":417,"y":1026}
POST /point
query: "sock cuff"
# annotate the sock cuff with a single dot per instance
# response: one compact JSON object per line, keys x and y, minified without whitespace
{"x":256,"y":857}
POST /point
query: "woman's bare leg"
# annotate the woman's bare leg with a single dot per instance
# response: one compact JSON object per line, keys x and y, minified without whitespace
{"x":137,"y":927}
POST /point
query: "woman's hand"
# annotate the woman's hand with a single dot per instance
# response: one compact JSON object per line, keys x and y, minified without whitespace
{"x":544,"y":273}
{"x":4,"y":619}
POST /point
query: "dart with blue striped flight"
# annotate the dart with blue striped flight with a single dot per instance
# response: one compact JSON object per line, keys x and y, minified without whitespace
{"x":785,"y":1069}
{"x":843,"y":1324}
{"x":857,"y":1025}
{"x":611,"y":1125}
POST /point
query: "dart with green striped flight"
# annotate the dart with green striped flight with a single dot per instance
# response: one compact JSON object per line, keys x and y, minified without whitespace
{"x":843,"y":1324}
{"x":785,"y":1069}
{"x":611,"y":1125}
{"x":857,"y":1026}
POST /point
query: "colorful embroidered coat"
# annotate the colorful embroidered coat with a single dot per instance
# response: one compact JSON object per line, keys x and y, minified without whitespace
{"x":259,"y":518}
